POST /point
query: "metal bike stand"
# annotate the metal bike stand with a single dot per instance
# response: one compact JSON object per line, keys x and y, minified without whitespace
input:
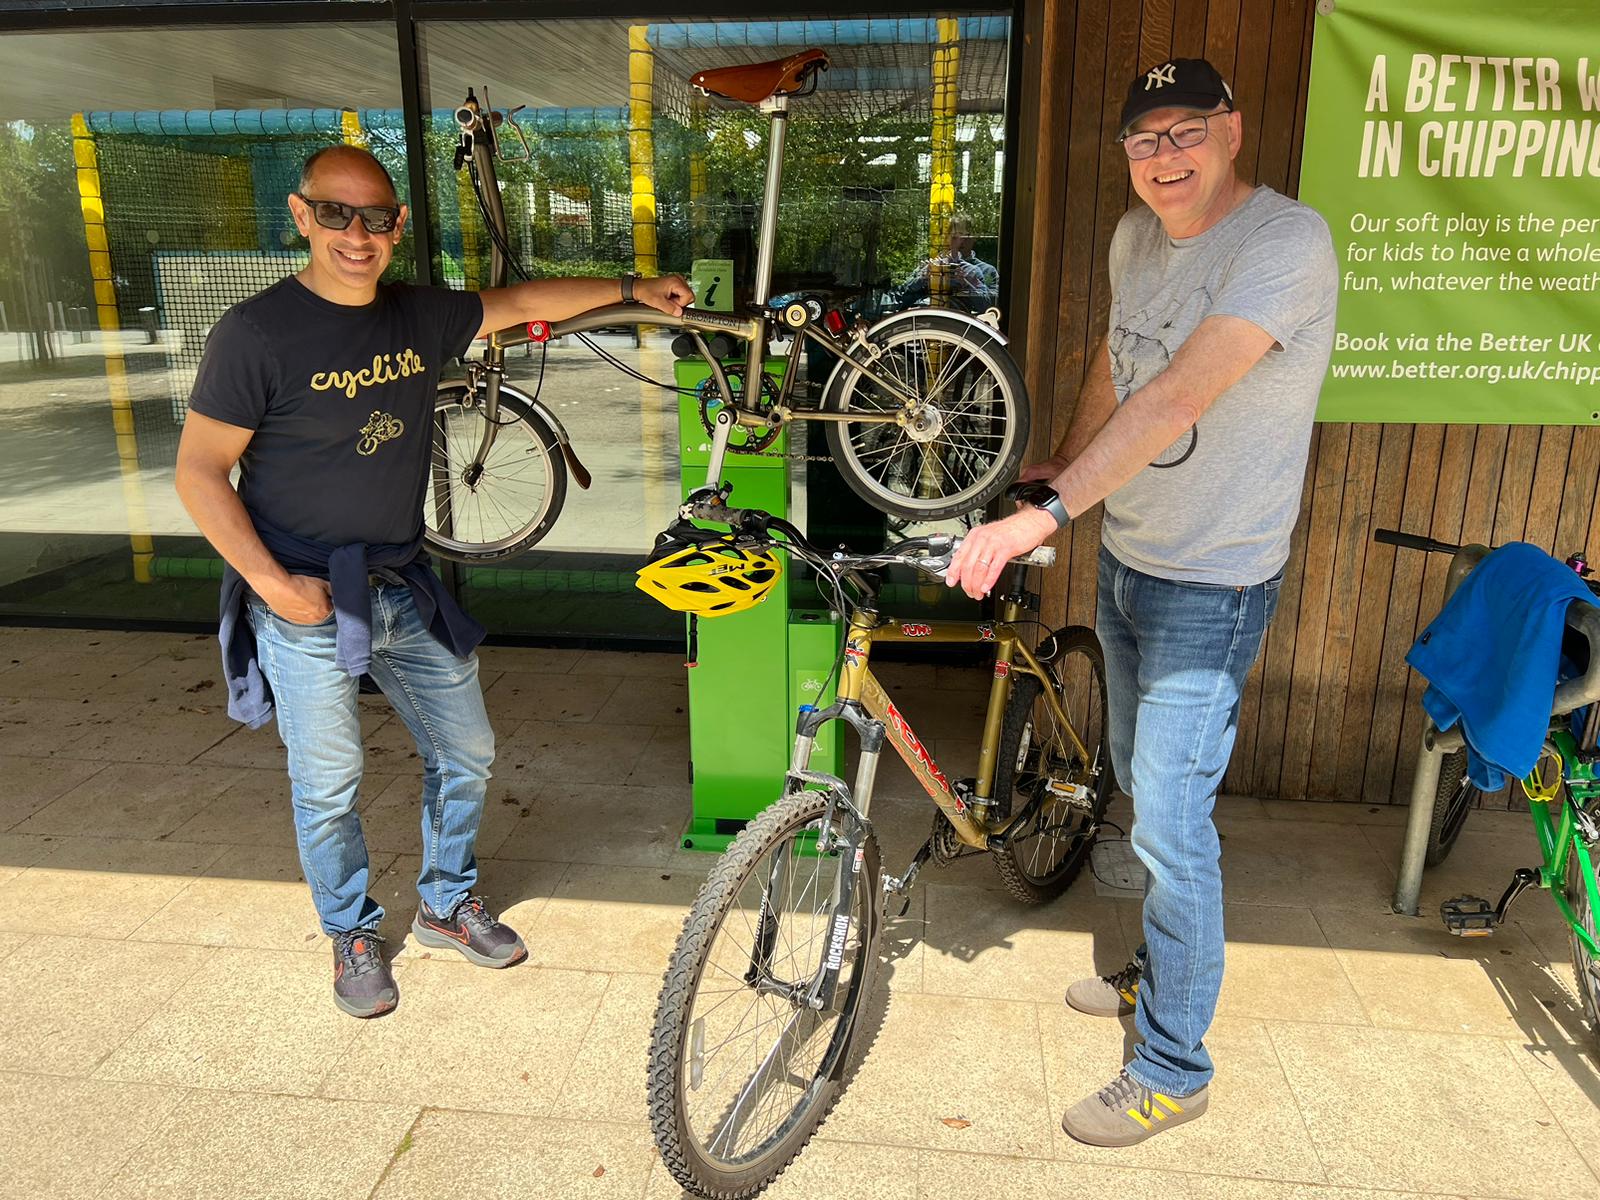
{"x":1425,"y":784}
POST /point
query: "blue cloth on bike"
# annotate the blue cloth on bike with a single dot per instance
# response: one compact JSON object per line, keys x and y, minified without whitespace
{"x":346,"y":568}
{"x":1492,"y":658}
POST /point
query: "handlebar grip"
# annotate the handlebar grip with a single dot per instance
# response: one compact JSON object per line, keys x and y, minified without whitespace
{"x":1413,"y":541}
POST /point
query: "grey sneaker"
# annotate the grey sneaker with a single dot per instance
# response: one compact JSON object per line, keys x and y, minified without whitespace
{"x":472,"y":930}
{"x":363,"y":984}
{"x":1125,"y":1113}
{"x":1114,"y":995}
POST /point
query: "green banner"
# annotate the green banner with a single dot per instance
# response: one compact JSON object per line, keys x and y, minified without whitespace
{"x":1454,"y":149}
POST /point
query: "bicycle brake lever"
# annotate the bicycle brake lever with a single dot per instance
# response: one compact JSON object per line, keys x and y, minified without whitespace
{"x":511,"y":120}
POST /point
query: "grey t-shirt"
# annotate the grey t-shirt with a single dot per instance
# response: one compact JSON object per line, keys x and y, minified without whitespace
{"x":1223,"y":509}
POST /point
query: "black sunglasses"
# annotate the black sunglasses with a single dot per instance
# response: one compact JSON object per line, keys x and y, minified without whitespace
{"x":330,"y":214}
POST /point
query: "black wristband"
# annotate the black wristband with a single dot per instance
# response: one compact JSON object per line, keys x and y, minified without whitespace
{"x":628,"y":281}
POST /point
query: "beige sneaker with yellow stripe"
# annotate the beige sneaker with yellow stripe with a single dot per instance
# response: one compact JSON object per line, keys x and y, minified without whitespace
{"x":1125,"y":1112}
{"x":1114,"y":995}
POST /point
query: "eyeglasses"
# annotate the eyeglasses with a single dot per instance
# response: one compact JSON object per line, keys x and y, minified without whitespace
{"x":1186,"y":133}
{"x":330,"y":214}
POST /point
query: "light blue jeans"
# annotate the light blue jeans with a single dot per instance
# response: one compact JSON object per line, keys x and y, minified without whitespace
{"x":435,"y":693}
{"x":1176,"y":659}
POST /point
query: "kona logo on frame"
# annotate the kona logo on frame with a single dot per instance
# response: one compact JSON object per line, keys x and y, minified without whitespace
{"x":915,"y":754}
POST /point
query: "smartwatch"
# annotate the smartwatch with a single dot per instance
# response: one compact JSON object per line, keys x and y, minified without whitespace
{"x":1043,"y":496}
{"x":628,"y":281}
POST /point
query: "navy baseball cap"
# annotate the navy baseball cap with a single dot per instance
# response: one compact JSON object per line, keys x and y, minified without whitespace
{"x":1177,"y":83}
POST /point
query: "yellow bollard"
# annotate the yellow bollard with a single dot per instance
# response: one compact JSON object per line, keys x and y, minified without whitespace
{"x":92,"y":202}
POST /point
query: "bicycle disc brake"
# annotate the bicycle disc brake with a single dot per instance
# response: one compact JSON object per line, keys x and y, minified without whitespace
{"x":745,"y":439}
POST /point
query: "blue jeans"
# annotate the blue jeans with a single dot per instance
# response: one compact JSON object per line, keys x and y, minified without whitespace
{"x":437,"y":696}
{"x":1176,"y":659}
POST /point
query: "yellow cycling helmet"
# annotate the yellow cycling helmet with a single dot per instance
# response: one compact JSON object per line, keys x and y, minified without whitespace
{"x":709,"y":577}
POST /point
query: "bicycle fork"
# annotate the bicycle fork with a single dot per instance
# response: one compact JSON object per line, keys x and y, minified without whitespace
{"x":842,"y":832}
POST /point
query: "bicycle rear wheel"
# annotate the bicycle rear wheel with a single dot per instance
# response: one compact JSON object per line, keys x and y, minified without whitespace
{"x":742,"y":1070}
{"x":482,"y":515}
{"x":960,"y":444}
{"x":1037,"y":760}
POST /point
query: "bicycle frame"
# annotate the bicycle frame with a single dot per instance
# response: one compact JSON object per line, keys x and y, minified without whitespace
{"x":863,"y":702}
{"x":1558,"y":838}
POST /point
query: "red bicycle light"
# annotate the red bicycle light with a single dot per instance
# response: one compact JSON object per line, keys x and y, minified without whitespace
{"x":538,"y":331}
{"x":834,"y":322}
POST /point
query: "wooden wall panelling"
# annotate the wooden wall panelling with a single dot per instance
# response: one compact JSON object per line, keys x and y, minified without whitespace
{"x":1276,"y":666}
{"x":1400,"y":624}
{"x":1516,"y":485}
{"x":1338,"y":650}
{"x":1549,"y":476}
{"x":1316,"y":593}
{"x":1041,"y":187}
{"x":1578,"y":494}
{"x":1372,"y":612}
{"x":1449,"y":503}
{"x":1249,"y":77}
{"x":1276,"y":116}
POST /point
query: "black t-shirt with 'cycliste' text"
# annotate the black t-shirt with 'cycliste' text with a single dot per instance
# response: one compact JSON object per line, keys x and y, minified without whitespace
{"x":340,"y":399}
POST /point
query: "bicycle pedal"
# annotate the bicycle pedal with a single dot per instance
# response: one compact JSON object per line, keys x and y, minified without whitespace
{"x":1469,"y":916}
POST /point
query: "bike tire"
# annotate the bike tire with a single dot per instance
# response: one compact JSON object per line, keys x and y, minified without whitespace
{"x":1587,"y":982}
{"x":1039,"y":868}
{"x":1453,"y":800}
{"x":882,"y":463}
{"x":516,"y":500}
{"x":674,"y":1063}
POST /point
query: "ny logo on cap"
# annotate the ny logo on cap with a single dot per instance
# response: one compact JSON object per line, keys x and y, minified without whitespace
{"x":1161,"y":76}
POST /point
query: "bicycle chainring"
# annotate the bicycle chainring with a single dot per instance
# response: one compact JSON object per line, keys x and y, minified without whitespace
{"x":944,"y":843}
{"x":745,"y":439}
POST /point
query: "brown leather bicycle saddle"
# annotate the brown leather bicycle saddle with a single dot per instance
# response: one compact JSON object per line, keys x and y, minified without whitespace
{"x":754,"y":82}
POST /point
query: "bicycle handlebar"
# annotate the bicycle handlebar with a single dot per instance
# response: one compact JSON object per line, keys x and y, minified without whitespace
{"x":1414,"y":541}
{"x":928,"y":554}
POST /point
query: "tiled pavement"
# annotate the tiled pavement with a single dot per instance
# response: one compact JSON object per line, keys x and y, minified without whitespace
{"x":166,"y":1030}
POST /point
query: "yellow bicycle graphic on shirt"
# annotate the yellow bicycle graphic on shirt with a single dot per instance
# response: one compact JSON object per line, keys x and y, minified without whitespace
{"x":380,"y":428}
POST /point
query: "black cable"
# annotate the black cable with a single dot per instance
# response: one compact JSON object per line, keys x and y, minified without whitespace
{"x":616,"y":362}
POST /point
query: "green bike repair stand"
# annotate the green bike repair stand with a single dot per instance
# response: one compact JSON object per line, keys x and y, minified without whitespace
{"x":755,"y":668}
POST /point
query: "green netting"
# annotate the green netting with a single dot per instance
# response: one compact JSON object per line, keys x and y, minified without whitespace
{"x":197,"y":222}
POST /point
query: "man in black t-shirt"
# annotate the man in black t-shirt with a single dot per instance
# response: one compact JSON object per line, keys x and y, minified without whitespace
{"x":321,"y":389}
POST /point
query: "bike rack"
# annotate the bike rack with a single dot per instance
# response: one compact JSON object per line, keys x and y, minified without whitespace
{"x":1570,"y":695}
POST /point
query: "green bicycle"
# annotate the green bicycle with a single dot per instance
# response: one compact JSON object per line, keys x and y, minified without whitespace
{"x":1563,"y":779}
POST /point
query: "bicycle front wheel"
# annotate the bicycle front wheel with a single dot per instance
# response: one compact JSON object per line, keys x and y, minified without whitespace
{"x":1038,"y":761}
{"x":1453,"y":801}
{"x":484,"y":513}
{"x":748,"y":1053}
{"x":957,"y":445}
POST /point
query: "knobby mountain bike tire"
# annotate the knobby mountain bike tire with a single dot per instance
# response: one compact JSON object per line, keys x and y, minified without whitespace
{"x":740,"y":1074}
{"x":1453,"y":802}
{"x":966,"y":440}
{"x":1047,"y":855}
{"x":512,"y":503}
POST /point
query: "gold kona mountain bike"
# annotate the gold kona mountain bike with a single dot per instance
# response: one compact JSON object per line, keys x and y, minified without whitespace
{"x":779,"y":952}
{"x":927,"y":414}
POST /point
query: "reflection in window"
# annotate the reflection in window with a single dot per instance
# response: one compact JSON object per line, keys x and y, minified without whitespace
{"x":137,"y":204}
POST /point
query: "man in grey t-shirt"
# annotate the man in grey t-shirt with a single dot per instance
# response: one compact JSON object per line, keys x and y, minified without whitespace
{"x":1192,"y":426}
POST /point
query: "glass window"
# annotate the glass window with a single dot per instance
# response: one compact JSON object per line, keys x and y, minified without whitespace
{"x":143,"y":176}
